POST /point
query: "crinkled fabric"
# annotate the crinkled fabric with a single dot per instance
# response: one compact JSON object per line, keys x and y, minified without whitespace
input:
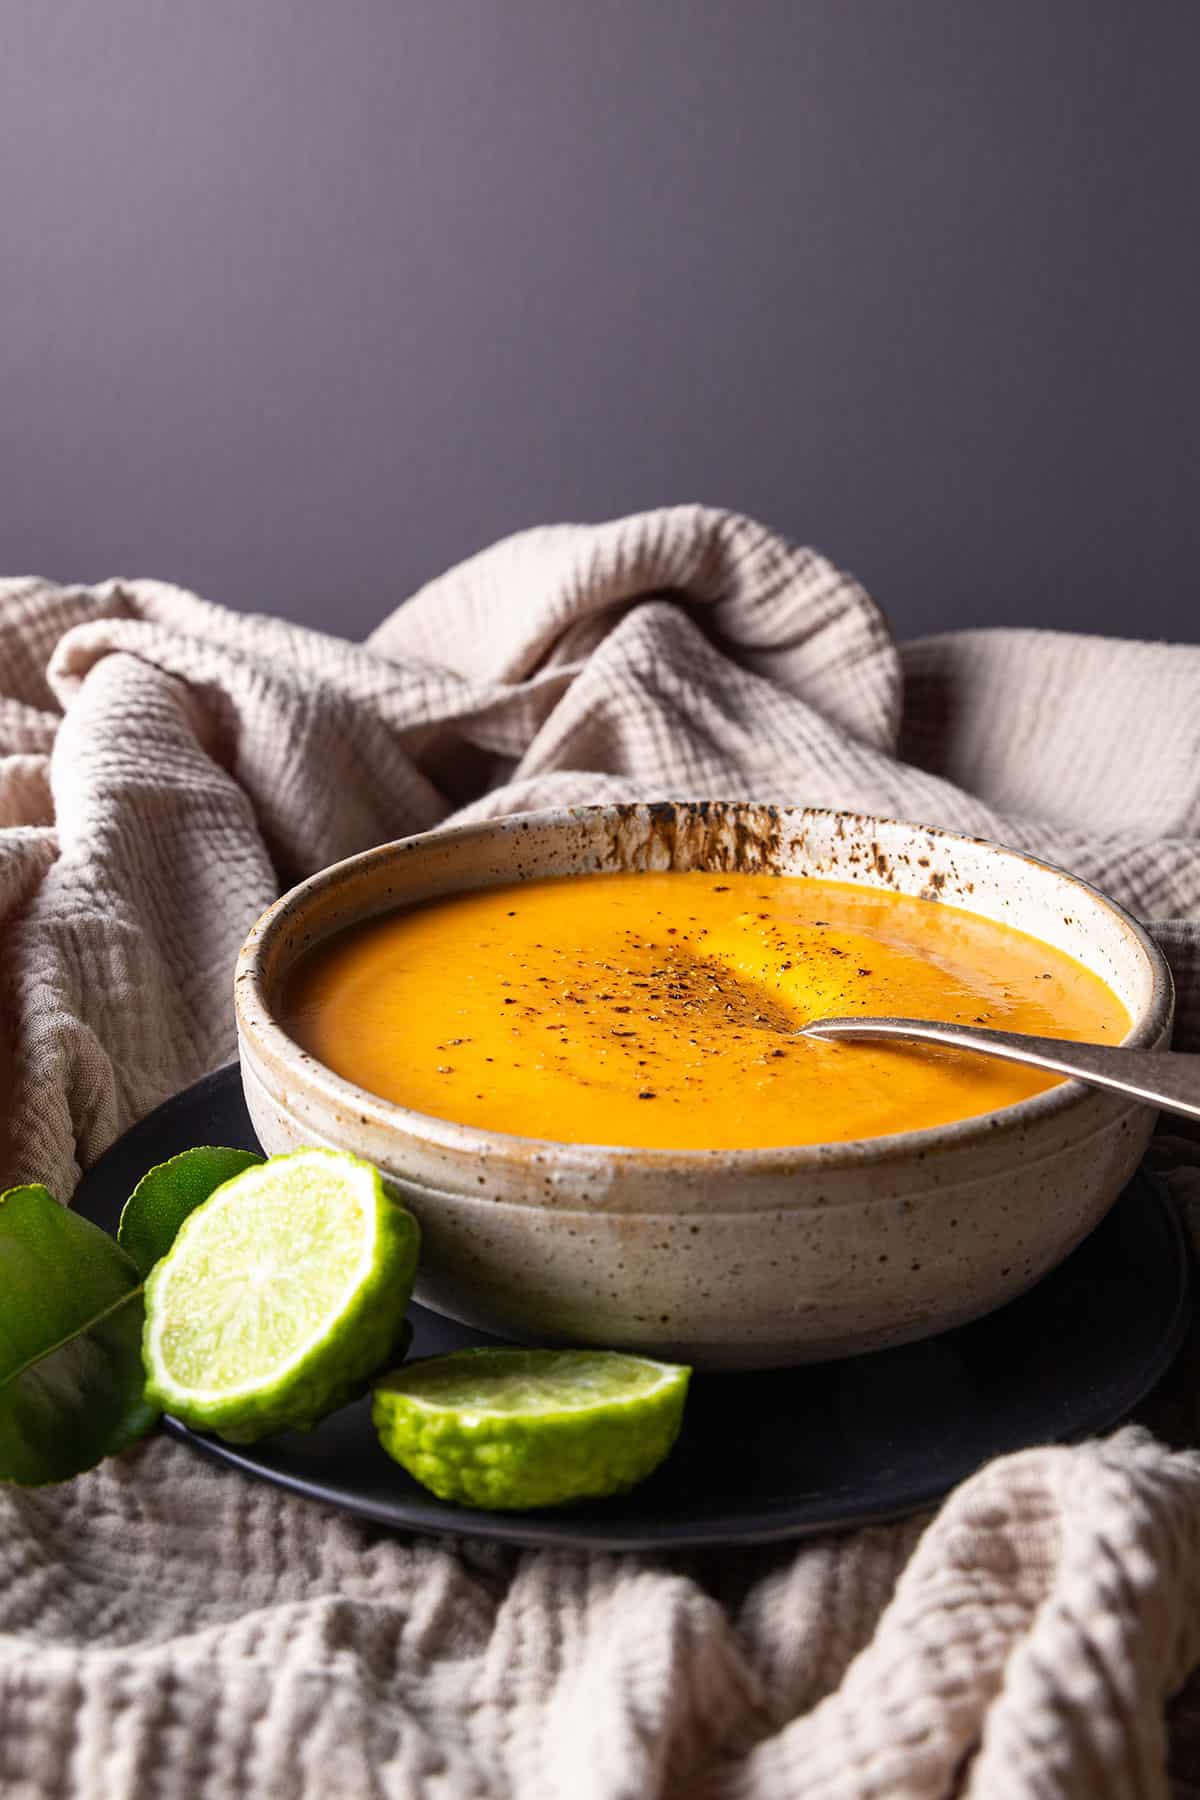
{"x":166,"y":767}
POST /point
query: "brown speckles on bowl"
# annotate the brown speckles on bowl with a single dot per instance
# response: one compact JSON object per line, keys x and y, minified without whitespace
{"x":742,"y":1258}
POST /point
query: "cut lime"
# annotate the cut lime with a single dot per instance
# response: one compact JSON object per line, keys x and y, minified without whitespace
{"x":281,"y":1295}
{"x":520,"y":1428}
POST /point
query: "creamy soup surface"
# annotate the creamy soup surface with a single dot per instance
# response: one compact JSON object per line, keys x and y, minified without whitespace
{"x":657,"y":1009}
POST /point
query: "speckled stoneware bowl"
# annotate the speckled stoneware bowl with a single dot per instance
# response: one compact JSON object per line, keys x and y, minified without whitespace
{"x":727,"y":1258}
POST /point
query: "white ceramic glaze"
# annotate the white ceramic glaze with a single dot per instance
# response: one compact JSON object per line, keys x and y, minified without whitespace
{"x":727,"y":1258}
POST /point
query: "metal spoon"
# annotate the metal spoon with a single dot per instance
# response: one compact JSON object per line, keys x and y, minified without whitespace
{"x":1166,"y":1078}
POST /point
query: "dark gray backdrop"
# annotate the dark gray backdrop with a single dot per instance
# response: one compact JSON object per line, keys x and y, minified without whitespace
{"x":302,"y":302}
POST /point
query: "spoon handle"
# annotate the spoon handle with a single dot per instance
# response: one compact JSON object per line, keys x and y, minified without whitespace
{"x":1166,"y":1078}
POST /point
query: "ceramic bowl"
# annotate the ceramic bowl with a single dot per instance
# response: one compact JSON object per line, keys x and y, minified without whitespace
{"x":725,"y":1258}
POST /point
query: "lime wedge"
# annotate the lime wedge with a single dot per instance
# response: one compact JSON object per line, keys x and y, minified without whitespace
{"x":280,"y":1296}
{"x":519,"y":1428}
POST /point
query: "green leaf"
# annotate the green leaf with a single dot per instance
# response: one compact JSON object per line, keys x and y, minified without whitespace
{"x":167,"y":1193}
{"x":72,"y":1390}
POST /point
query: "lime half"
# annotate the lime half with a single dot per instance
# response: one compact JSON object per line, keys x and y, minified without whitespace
{"x":521,"y":1428}
{"x":283,"y":1292}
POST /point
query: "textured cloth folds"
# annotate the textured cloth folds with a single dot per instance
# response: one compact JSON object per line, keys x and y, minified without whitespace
{"x":166,"y":766}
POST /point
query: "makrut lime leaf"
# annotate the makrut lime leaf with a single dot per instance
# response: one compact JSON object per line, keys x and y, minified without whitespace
{"x":71,"y":1314}
{"x":168,"y":1192}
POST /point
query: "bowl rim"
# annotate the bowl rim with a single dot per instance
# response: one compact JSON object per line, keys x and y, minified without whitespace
{"x":259,"y":1030}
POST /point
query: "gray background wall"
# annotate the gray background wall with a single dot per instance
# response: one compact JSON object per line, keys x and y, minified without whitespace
{"x":302,"y":302}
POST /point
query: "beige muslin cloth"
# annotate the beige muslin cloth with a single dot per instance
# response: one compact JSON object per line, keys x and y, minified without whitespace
{"x":169,"y":1629}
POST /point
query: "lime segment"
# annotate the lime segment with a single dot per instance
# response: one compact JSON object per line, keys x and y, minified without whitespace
{"x":512,"y":1429}
{"x":280,"y":1296}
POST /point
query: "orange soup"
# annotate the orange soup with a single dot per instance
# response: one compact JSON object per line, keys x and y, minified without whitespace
{"x":659,"y":1009}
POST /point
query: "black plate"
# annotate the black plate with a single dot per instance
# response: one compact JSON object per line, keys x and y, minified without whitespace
{"x":768,"y":1455}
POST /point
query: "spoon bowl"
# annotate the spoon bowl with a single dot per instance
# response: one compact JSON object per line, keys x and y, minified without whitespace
{"x":1166,"y":1078}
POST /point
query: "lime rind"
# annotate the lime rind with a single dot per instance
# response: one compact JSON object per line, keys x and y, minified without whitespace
{"x":588,"y":1446}
{"x":208,"y":1304}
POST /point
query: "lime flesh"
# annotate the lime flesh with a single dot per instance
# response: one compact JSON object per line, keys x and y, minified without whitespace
{"x":283,"y":1292}
{"x":512,"y":1429}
